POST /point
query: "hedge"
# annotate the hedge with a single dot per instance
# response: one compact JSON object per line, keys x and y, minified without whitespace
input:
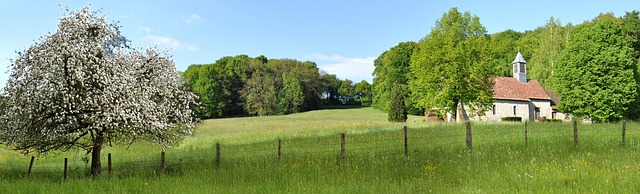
{"x":514,"y":119}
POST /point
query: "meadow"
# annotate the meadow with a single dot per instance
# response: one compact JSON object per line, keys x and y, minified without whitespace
{"x":438,"y":160}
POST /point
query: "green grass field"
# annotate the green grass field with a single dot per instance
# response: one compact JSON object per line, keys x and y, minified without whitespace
{"x":438,"y":159}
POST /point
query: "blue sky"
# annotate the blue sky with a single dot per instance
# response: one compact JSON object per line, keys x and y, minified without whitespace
{"x":343,"y":37}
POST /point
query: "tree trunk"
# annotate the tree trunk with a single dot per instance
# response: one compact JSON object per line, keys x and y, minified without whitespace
{"x":96,"y":166}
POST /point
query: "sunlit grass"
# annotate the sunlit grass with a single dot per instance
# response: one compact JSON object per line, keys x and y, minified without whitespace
{"x":309,"y":124}
{"x":438,"y":160}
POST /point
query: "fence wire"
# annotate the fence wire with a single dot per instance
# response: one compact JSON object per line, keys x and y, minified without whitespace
{"x":384,"y":143}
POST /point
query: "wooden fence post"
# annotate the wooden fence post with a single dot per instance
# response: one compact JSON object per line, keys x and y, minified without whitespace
{"x":406,"y":145}
{"x":575,"y":133}
{"x":279,"y":149}
{"x":624,"y":131}
{"x":65,"y":168}
{"x":342,"y":147}
{"x":162,"y":166}
{"x":217,"y":156}
{"x":109,"y":163}
{"x":30,"y":165}
{"x":526,"y":135}
{"x":469,"y":137}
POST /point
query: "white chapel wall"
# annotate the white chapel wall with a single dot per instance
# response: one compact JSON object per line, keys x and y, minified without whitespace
{"x":504,"y":108}
{"x":545,"y":108}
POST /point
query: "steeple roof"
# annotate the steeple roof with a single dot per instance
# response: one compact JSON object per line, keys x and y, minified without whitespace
{"x":519,"y":59}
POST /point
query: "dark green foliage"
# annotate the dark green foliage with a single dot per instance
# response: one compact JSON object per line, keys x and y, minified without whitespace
{"x":596,"y":72}
{"x":346,"y":92}
{"x":553,"y":120}
{"x":631,"y":25}
{"x":291,"y":97}
{"x":204,"y":81}
{"x":242,"y":85}
{"x":260,"y":95}
{"x":512,"y":119}
{"x":504,"y":46}
{"x":363,"y":93}
{"x":397,"y":110}
{"x":219,"y":85}
{"x":330,"y":84}
{"x":390,"y":67}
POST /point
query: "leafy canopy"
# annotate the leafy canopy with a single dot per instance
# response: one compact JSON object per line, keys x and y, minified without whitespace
{"x":450,"y":65}
{"x":391,"y":67}
{"x":596,"y":71}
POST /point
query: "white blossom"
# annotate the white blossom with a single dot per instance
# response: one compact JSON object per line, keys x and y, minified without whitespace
{"x":83,"y":85}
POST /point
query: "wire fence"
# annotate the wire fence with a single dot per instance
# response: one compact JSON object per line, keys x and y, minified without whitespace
{"x":399,"y":143}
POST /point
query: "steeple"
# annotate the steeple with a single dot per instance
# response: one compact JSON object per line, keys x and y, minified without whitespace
{"x":520,"y":68}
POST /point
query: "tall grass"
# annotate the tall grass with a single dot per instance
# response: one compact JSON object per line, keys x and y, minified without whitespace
{"x":438,"y":160}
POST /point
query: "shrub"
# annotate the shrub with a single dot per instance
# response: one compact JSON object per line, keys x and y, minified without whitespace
{"x":553,"y":120}
{"x":397,"y":109}
{"x":512,"y":119}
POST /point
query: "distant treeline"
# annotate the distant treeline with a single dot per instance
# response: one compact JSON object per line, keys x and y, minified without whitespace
{"x":242,"y":85}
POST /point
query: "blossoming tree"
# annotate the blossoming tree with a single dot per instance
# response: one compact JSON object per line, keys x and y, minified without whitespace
{"x":83,"y":87}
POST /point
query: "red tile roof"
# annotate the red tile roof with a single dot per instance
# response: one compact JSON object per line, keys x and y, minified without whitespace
{"x":509,"y":88}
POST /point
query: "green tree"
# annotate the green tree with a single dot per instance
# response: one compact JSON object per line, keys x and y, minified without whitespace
{"x":451,"y":65}
{"x":330,"y":85}
{"x":363,"y":93}
{"x":219,"y":85}
{"x":398,"y":110}
{"x":381,"y":94}
{"x":223,"y":86}
{"x":551,"y":42}
{"x":631,"y":25}
{"x":596,"y":71}
{"x":391,"y":67}
{"x":291,"y":97}
{"x":346,"y":91}
{"x":308,"y":75}
{"x":503,"y":45}
{"x":237,"y":71}
{"x":202,"y":81}
{"x":311,"y":83}
{"x":259,"y":94}
{"x":527,"y":43}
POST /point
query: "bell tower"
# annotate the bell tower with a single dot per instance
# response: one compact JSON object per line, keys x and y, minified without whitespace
{"x":520,"y":68}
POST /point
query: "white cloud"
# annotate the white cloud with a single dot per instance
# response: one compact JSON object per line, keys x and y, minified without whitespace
{"x":169,"y":42}
{"x":145,"y":29}
{"x":192,"y":18}
{"x":353,"y":68}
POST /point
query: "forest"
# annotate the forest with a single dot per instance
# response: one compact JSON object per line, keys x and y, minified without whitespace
{"x":241,"y":85}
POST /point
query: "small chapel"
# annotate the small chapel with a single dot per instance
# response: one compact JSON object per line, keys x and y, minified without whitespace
{"x":518,"y":96}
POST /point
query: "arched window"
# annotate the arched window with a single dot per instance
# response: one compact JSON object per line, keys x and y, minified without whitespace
{"x":494,"y":109}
